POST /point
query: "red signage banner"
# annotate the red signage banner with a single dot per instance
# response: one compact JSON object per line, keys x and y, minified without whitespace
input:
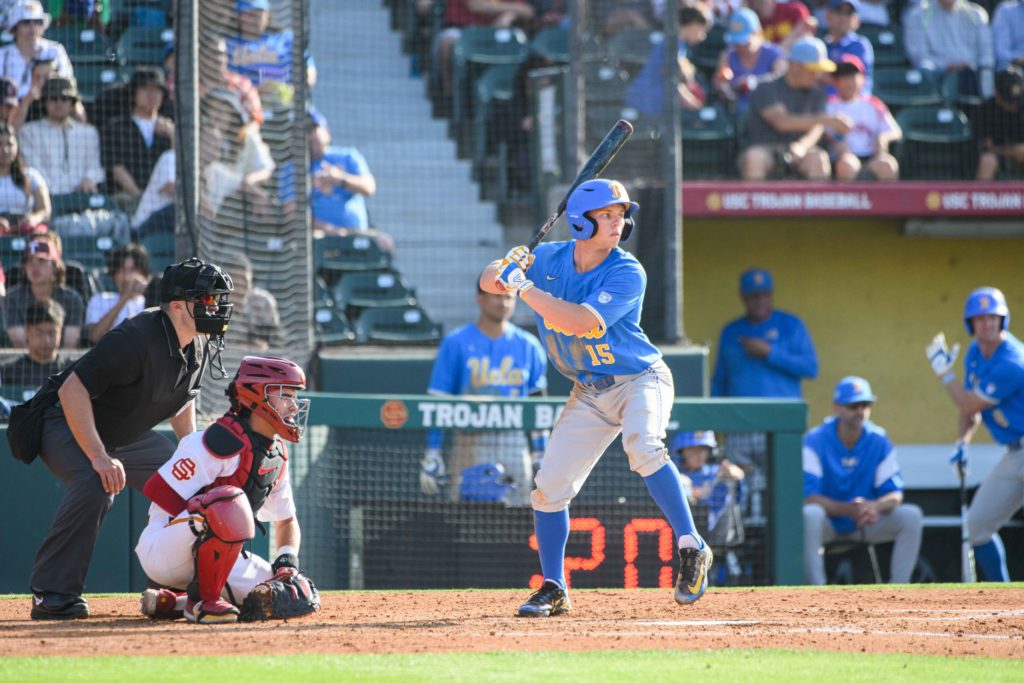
{"x":849,"y":200}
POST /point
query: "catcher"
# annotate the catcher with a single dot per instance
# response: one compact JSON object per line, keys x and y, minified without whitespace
{"x":206,"y":499}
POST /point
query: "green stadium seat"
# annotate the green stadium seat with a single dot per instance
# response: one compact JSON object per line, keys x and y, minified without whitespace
{"x":709,"y":143}
{"x":496,"y":83}
{"x":630,"y":47}
{"x":321,"y":293}
{"x":11,"y":249}
{"x":606,"y":84}
{"x":937,"y":144}
{"x":89,"y":250}
{"x":397,"y":325}
{"x":336,"y":254}
{"x":331,"y":327}
{"x":887,"y":42}
{"x":93,"y":78}
{"x":143,"y":45}
{"x":553,"y":43}
{"x":161,"y":251}
{"x":83,"y":45}
{"x":77,"y":202}
{"x":901,"y":87}
{"x":476,"y":49}
{"x":368,"y":289}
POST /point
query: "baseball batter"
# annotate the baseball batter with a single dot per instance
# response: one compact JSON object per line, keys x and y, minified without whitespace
{"x":205,"y":499}
{"x":491,"y":357}
{"x":853,"y":490}
{"x":587,"y":294}
{"x":993,"y":392}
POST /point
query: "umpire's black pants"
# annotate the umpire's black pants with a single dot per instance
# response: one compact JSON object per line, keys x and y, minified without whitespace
{"x":63,"y":560}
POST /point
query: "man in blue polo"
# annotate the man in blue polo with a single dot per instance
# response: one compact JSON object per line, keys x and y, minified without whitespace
{"x":853,"y":490}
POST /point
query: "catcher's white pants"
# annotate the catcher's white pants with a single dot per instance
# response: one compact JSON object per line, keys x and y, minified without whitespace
{"x":165,"y":552}
{"x":903,"y":526}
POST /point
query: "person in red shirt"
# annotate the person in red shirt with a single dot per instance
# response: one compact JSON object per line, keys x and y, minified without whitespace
{"x":783,"y":22}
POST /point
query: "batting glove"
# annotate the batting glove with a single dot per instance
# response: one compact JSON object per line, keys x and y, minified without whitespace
{"x":959,"y":456}
{"x":513,"y":279}
{"x":520,"y":256}
{"x":942,"y":357}
{"x":432,"y":472}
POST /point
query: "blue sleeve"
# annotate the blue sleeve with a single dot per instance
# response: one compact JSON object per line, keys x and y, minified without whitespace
{"x":812,"y":485}
{"x":538,"y":361}
{"x":354,"y":162}
{"x":646,"y":91}
{"x":444,"y":378}
{"x":1003,"y":380}
{"x":718,"y":379}
{"x":795,"y":355}
{"x":619,"y":294}
{"x":813,"y":469}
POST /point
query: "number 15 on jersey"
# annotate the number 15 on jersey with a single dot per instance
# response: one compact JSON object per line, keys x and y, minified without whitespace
{"x":600,"y":354}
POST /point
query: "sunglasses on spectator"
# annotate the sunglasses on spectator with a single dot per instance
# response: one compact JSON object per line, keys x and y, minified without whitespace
{"x":34,"y":22}
{"x":862,"y":405}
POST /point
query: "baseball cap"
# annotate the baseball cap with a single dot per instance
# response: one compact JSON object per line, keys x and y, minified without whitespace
{"x":755,"y":281}
{"x":854,"y":5}
{"x":1010,"y":85}
{"x":742,"y":24}
{"x":28,"y":10}
{"x":8,"y":92}
{"x":849,"y":65}
{"x":43,"y":248}
{"x":689,"y":439}
{"x":59,"y":87}
{"x":853,"y":389}
{"x":147,"y":75}
{"x":247,"y":5}
{"x":810,"y":53}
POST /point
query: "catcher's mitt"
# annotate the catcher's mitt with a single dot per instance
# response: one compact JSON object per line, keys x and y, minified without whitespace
{"x":286,"y":596}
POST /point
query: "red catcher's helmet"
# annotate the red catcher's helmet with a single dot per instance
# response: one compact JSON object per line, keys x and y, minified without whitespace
{"x":261,"y":377}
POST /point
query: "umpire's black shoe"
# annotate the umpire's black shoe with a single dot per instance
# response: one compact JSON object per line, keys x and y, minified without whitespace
{"x":59,"y":606}
{"x":550,"y":600}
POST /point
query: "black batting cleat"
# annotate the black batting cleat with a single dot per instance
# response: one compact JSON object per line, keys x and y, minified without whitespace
{"x":550,"y":600}
{"x":692,"y":580}
{"x":58,"y":606}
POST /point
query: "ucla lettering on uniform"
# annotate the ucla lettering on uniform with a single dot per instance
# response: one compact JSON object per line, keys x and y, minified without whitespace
{"x":505,"y":375}
{"x":595,"y":333}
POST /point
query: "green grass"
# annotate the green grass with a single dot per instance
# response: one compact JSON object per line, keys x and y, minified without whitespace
{"x":645,"y":666}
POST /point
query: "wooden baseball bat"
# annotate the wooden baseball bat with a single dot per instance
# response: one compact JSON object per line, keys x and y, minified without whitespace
{"x":967,"y":572}
{"x":597,"y":162}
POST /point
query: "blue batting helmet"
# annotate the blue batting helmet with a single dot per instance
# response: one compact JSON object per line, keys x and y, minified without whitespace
{"x":688,"y":439}
{"x":597,"y":194}
{"x":487,"y":482}
{"x":986,"y":301}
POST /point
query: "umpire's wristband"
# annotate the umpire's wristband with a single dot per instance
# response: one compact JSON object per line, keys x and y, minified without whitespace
{"x":285,"y":560}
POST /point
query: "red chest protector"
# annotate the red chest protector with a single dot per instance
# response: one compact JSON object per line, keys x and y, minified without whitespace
{"x":261,"y":462}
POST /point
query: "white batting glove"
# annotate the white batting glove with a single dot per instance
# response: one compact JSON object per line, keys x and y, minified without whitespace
{"x":432,"y":472}
{"x":942,"y":357}
{"x":520,"y":256}
{"x":513,"y":279}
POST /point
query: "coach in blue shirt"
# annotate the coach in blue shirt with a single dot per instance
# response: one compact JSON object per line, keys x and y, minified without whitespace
{"x":766,"y":352}
{"x":853,"y":490}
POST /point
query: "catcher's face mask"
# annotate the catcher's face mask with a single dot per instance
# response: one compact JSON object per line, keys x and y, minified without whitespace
{"x":290,"y":410}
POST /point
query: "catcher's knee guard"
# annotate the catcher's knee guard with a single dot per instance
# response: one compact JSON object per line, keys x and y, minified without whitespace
{"x":227,"y":525}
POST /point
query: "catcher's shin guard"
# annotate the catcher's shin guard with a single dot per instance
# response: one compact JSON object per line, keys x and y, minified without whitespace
{"x":227,"y":525}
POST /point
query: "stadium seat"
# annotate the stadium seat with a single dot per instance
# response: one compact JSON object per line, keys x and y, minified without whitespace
{"x":331,"y":327}
{"x":400,"y":324}
{"x":496,"y":83}
{"x":901,"y":87}
{"x":629,"y":47}
{"x":321,"y":293}
{"x":377,"y":288}
{"x":936,"y":145}
{"x":336,"y":254}
{"x":709,"y":143}
{"x":143,"y":45}
{"x":605,"y":84}
{"x":476,"y":49}
{"x":887,"y":42}
{"x":11,"y":249}
{"x":83,"y":45}
{"x":93,"y":78}
{"x":161,"y":251}
{"x":705,"y":54}
{"x":77,"y":202}
{"x":553,"y":43}
{"x":89,"y":250}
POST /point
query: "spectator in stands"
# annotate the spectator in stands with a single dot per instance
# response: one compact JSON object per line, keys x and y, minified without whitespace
{"x":1008,"y":34}
{"x":647,"y":90}
{"x":748,"y":61}
{"x":128,"y":267}
{"x":999,"y":127}
{"x":65,"y":151}
{"x":341,"y":181}
{"x":44,"y":273}
{"x":459,"y":14}
{"x":244,"y":164}
{"x":619,"y":15}
{"x":8,"y":101}
{"x":262,"y":56}
{"x":842,"y":22}
{"x":787,"y":118}
{"x":255,"y":319}
{"x":24,"y":196}
{"x":951,"y":39}
{"x":43,"y":323}
{"x":866,"y":146}
{"x":131,"y":145}
{"x":214,"y":74}
{"x":784,"y":21}
{"x":853,"y":490}
{"x":155,"y":212}
{"x":703,"y":481}
{"x":28,"y":22}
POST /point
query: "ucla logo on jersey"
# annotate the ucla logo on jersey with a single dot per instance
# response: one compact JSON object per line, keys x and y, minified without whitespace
{"x":772,"y":334}
{"x":849,"y":462}
{"x":604,"y":297}
{"x":595,"y":333}
{"x":482,"y":375}
{"x":990,"y":388}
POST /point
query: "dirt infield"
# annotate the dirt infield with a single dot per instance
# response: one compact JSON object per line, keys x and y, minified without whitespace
{"x":969,"y":621}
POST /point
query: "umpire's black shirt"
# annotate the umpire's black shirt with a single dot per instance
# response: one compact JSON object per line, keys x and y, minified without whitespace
{"x":139,"y":376}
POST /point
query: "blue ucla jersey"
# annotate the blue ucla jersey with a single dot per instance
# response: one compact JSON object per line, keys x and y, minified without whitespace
{"x":792,"y":358}
{"x":471,"y":363}
{"x":614,"y":292}
{"x":340,"y":207}
{"x":719,"y":497}
{"x":1000,"y":381}
{"x":268,"y":58}
{"x":869,"y":470}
